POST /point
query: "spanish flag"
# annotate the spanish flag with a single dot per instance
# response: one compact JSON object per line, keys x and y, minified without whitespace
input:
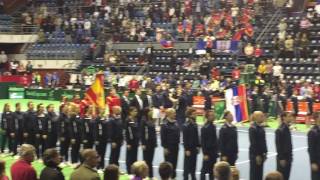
{"x":95,"y":93}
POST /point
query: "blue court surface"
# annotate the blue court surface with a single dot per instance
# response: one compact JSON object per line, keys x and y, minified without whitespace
{"x":300,"y":166}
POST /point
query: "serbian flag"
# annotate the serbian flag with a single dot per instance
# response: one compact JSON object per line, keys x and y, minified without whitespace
{"x":95,"y":93}
{"x":166,"y":44}
{"x":236,"y":103}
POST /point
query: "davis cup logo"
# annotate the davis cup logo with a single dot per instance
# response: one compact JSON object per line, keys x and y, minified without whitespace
{"x":235,"y":100}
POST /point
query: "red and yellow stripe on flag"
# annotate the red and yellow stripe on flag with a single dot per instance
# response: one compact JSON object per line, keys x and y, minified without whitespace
{"x":242,"y":92}
{"x":95,"y":93}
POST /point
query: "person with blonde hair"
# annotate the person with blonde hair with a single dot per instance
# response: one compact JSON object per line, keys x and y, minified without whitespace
{"x":140,"y":170}
{"x":258,"y":145}
{"x":222,"y":171}
{"x":22,"y":169}
{"x":209,"y":144}
{"x":228,"y":140}
{"x":170,"y":139}
{"x":191,"y":144}
{"x":274,"y":176}
{"x":149,"y":140}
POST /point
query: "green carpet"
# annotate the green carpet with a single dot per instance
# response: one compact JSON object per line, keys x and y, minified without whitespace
{"x":39,"y":166}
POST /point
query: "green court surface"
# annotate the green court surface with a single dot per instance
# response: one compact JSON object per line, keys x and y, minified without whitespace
{"x":39,"y":166}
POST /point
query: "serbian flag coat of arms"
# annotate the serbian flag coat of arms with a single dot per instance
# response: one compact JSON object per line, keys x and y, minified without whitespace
{"x":236,"y":103}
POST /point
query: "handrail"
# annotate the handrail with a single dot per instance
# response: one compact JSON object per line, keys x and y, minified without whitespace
{"x":268,"y":26}
{"x":18,"y":29}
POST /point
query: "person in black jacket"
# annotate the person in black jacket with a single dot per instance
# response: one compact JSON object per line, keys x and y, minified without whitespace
{"x":158,"y":102}
{"x":284,"y":145}
{"x":29,"y":117}
{"x":115,"y":134}
{"x":75,"y":130}
{"x":258,"y":146}
{"x":125,"y":103}
{"x":295,"y":102}
{"x":50,"y":127}
{"x":137,"y":102}
{"x":132,"y":138}
{"x":63,"y":131}
{"x":182,"y":107}
{"x":101,"y":131}
{"x":6,"y":120}
{"x":39,"y":130}
{"x":314,"y":147}
{"x":147,"y":103}
{"x":209,"y":144}
{"x":170,"y":139}
{"x":191,"y":144}
{"x":149,"y":141}
{"x":51,"y":159}
{"x":228,"y":140}
{"x":88,"y":129}
{"x":18,"y":120}
{"x":11,"y":130}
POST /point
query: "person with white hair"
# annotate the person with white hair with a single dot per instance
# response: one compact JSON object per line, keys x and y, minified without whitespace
{"x":22,"y":169}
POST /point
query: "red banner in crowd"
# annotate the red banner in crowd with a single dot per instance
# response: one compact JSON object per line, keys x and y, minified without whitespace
{"x":19,"y":79}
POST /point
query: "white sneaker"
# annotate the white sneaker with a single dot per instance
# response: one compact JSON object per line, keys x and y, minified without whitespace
{"x":100,"y":171}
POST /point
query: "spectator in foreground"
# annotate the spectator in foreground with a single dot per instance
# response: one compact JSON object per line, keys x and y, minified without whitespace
{"x":140,"y":170}
{"x":274,"y":176}
{"x":111,"y":172}
{"x":22,"y":169}
{"x":51,"y":159}
{"x":3,"y":171}
{"x":165,"y":170}
{"x":222,"y":171}
{"x":86,"y":170}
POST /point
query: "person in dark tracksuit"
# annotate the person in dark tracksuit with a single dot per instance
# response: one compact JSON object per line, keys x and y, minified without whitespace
{"x":170,"y":139}
{"x":295,"y":102}
{"x":88,"y":129}
{"x":149,"y":141}
{"x":265,"y":101}
{"x":63,"y":131}
{"x":255,"y":99}
{"x":11,"y":131}
{"x":39,"y":130}
{"x":228,"y":140}
{"x":6,"y":119}
{"x":258,"y":146}
{"x":115,"y":134}
{"x":314,"y":147}
{"x":209,"y":144}
{"x":182,"y":107}
{"x":50,"y":127}
{"x":75,"y":130}
{"x":132,"y":138}
{"x":284,"y":145}
{"x":28,"y":120}
{"x":101,"y":131}
{"x":125,"y":102}
{"x":18,"y":124}
{"x":191,"y":144}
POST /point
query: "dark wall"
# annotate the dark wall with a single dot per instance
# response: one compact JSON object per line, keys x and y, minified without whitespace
{"x":11,"y":5}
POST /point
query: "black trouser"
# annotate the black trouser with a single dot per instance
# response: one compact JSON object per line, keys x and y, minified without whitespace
{"x":101,"y":149}
{"x":64,"y":148}
{"x":310,"y":105}
{"x":40,"y":145}
{"x":207,"y":167}
{"x":231,"y":159}
{"x":172,"y":157}
{"x":256,"y":171}
{"x":131,"y":157}
{"x":3,"y":142}
{"x":115,"y":154}
{"x":148,"y":155}
{"x":19,"y":138}
{"x":285,"y":171}
{"x":75,"y":151}
{"x":51,"y":142}
{"x":315,"y":175}
{"x":31,"y":139}
{"x":88,"y":144}
{"x":190,"y":163}
{"x":12,"y":144}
